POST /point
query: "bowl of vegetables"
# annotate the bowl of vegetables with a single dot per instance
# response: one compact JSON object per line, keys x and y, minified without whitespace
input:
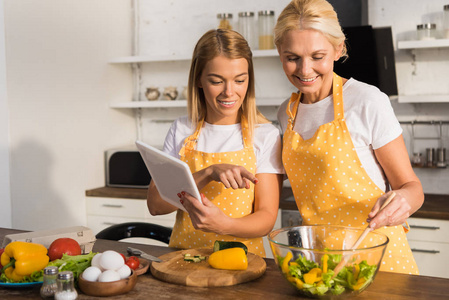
{"x":308,"y":255}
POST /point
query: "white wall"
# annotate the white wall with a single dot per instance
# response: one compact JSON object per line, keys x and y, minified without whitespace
{"x":5,"y":199}
{"x":59,"y":87}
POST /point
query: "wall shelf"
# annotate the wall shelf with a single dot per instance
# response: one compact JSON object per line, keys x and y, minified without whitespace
{"x":437,"y":43}
{"x":174,"y":57}
{"x":423,"y":98}
{"x":183,"y":103}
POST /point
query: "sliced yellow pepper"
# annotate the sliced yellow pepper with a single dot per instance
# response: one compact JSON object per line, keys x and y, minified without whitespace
{"x":359,"y":284}
{"x":284,"y":266}
{"x":313,"y":276}
{"x":298,"y":282}
{"x":229,"y":259}
{"x":21,"y":259}
{"x":325,"y":260}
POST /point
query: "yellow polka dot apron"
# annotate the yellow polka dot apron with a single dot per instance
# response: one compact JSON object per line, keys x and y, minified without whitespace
{"x":234,"y":203}
{"x":330,"y":184}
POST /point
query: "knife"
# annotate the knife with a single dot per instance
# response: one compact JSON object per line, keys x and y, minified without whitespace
{"x":137,"y":252}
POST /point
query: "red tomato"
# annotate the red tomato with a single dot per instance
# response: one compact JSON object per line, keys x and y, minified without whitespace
{"x":132,"y":262}
{"x":124,"y":257}
{"x":61,"y":246}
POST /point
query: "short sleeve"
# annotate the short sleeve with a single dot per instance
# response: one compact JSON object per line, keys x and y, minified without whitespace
{"x":268,"y":144}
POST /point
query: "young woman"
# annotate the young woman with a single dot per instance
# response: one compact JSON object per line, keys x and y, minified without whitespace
{"x":233,"y":151}
{"x":342,"y":145}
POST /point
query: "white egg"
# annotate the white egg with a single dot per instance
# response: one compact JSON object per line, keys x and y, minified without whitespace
{"x":96,"y":261}
{"x":124,"y":271}
{"x":108,"y":276}
{"x":91,"y":273}
{"x":111,"y":260}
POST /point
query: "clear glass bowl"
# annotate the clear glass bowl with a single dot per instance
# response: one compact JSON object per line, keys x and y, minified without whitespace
{"x":308,"y":255}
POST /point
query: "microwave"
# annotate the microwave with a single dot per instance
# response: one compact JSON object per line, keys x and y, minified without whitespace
{"x":126,"y":168}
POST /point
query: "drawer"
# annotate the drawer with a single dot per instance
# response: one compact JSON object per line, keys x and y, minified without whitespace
{"x":132,"y":208}
{"x":431,"y":258}
{"x":428,"y":230}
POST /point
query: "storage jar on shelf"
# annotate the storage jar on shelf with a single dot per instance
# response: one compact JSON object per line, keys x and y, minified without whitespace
{"x":247,"y":28}
{"x":224,"y":21}
{"x":266,"y":26}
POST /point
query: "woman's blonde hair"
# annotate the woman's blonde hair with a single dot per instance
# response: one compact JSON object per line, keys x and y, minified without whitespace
{"x":310,"y":14}
{"x":229,"y":44}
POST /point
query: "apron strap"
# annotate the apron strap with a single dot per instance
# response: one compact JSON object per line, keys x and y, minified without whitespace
{"x":294,"y":99}
{"x":337,"y":94}
{"x":245,"y":132}
{"x":190,"y":142}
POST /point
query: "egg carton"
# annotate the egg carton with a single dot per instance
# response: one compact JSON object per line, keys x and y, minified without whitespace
{"x":83,"y":235}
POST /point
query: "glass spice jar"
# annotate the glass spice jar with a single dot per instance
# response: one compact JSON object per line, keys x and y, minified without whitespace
{"x":427,"y":31}
{"x":49,"y":286}
{"x":446,"y":21}
{"x":246,"y":27}
{"x":266,"y":26}
{"x":66,"y":287}
{"x":224,"y":21}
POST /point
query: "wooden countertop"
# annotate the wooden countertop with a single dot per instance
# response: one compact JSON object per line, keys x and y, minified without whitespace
{"x":435,"y":206}
{"x":270,"y":286}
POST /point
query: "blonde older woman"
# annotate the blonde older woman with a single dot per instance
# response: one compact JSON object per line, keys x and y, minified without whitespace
{"x":343,"y":146}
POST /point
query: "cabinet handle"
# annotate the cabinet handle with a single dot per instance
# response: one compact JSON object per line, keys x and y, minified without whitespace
{"x":425,"y":227}
{"x":109,"y":223}
{"x":425,"y":251}
{"x":113,"y":205}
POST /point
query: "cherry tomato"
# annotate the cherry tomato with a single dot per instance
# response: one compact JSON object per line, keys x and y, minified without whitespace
{"x":133,"y":262}
{"x":63,"y":245}
{"x":124,"y":257}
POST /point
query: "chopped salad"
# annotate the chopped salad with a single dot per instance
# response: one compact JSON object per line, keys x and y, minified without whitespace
{"x":314,"y":279}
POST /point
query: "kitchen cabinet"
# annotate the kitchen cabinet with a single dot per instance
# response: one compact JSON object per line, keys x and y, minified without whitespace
{"x":179,"y":103}
{"x":103,"y":212}
{"x":429,"y":241}
{"x":423,"y":45}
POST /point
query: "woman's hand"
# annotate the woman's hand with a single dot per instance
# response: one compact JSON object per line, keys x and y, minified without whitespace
{"x":395,"y":213}
{"x":206,"y":216}
{"x":231,"y":176}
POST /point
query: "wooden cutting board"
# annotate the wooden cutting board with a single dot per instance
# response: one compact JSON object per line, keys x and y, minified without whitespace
{"x":174,"y":269}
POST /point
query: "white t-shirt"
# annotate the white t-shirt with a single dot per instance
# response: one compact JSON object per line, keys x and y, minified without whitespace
{"x":226,"y":138}
{"x":368,"y":114}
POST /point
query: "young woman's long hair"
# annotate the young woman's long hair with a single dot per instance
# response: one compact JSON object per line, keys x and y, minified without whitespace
{"x":230,"y":44}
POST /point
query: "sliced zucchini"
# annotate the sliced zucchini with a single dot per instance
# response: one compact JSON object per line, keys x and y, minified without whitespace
{"x":221,"y":245}
{"x":194,"y":258}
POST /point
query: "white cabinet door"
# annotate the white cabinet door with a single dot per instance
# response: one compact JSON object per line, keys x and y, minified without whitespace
{"x":429,"y":241}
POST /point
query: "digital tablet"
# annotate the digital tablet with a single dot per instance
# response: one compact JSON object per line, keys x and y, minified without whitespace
{"x":171,"y":175}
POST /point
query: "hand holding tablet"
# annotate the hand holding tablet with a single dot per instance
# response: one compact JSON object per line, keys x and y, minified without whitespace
{"x":171,"y":175}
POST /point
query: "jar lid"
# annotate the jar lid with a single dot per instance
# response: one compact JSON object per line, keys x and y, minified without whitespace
{"x":52,"y":270}
{"x":266,"y":13}
{"x":224,"y":16}
{"x":65,"y":275}
{"x":246,"y":14}
{"x":427,"y":26}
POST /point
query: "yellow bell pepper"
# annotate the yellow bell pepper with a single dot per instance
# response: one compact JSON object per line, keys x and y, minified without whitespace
{"x":285,"y":262}
{"x":325,"y":260}
{"x":21,"y":259}
{"x":313,"y":276}
{"x":229,"y":259}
